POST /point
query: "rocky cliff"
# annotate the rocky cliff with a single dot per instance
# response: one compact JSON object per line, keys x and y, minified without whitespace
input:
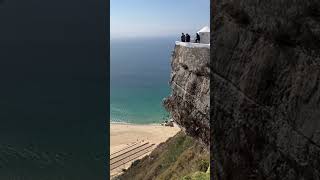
{"x":188,"y":103}
{"x":182,"y":156}
{"x":265,"y":97}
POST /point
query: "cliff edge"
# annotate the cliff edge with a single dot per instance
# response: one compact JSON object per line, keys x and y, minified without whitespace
{"x":265,"y":98}
{"x":188,"y":103}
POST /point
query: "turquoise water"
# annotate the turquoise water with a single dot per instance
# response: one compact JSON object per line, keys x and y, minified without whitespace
{"x":140,"y":72}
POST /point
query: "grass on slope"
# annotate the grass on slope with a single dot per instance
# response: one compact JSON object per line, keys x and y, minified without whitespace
{"x":177,"y":158}
{"x":198,"y":175}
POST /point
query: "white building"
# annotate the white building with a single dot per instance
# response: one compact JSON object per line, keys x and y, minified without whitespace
{"x":204,"y":35}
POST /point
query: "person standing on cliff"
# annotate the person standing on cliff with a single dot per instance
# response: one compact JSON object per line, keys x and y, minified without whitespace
{"x":187,"y":37}
{"x":183,"y":38}
{"x":198,"y":38}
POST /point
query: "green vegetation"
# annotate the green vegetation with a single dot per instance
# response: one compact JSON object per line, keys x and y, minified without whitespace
{"x":178,"y":158}
{"x":198,"y":175}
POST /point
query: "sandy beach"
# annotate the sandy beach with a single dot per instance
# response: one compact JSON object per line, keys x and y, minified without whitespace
{"x":123,"y":136}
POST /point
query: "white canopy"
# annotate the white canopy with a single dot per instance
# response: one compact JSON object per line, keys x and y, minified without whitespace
{"x":204,"y":35}
{"x":204,"y":29}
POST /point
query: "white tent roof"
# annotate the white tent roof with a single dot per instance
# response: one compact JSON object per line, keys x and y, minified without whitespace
{"x":204,"y":29}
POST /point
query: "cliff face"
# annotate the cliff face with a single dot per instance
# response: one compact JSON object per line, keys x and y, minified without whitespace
{"x":189,"y":101}
{"x":265,"y":97}
{"x":183,"y":157}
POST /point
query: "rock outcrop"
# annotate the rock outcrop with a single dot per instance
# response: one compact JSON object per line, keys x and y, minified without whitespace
{"x":189,"y":102}
{"x":265,"y":89}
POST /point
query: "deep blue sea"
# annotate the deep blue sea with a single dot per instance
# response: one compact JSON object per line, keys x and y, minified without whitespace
{"x":54,"y":86}
{"x":140,"y":72}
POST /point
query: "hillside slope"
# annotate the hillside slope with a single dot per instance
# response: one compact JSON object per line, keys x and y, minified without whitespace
{"x":179,"y":157}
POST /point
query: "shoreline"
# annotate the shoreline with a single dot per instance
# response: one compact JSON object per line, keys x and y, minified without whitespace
{"x":128,"y":123}
{"x":124,"y":135}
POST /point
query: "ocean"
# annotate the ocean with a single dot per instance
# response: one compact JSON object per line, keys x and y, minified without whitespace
{"x":54,"y":86}
{"x":139,"y":76}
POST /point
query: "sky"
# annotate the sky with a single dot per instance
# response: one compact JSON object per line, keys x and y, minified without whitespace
{"x":157,"y":18}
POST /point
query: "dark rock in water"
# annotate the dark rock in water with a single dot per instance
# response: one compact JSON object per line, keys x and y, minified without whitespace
{"x":265,"y":97}
{"x":169,"y":124}
{"x":189,"y":101}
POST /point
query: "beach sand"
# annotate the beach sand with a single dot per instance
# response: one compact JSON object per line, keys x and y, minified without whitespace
{"x":124,"y":135}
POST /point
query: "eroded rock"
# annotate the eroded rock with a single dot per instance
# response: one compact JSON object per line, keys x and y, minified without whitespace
{"x":189,"y":100}
{"x":265,"y":97}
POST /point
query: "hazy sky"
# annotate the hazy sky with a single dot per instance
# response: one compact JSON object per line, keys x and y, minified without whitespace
{"x":150,"y":18}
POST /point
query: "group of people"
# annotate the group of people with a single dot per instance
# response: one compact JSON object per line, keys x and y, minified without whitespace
{"x":186,"y":38}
